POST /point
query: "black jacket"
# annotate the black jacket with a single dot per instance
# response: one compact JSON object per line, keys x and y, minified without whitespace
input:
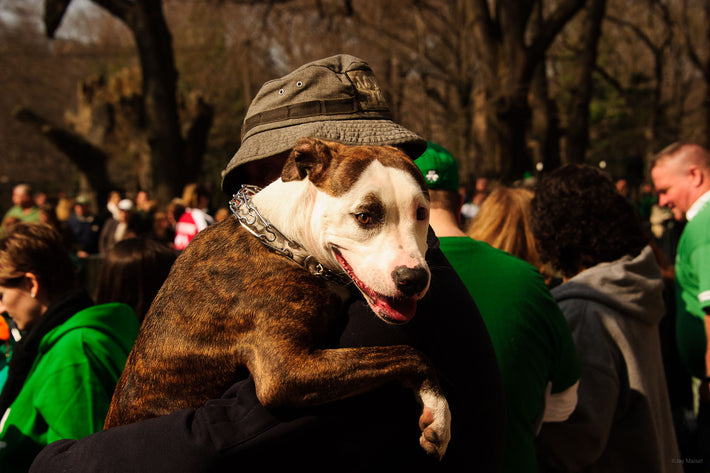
{"x":376,"y":430}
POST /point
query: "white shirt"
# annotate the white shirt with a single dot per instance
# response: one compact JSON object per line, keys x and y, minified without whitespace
{"x":697,"y":205}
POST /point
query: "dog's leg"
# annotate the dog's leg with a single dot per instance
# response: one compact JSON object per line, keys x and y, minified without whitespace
{"x":320,"y":376}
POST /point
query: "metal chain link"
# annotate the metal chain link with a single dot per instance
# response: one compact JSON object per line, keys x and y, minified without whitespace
{"x":250,"y":218}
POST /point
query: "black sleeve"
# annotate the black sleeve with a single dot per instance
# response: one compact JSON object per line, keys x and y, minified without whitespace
{"x":185,"y":441}
{"x":449,"y":329}
{"x":237,"y":433}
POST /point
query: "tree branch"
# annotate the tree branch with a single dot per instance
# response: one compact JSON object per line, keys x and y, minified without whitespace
{"x":53,"y":14}
{"x":548,"y":31}
{"x":90,"y":159}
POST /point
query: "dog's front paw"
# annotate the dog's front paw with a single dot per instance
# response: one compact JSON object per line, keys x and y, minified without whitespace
{"x":435,"y":423}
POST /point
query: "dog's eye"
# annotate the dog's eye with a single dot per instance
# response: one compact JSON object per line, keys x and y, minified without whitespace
{"x":364,"y":219}
{"x":422,"y":213}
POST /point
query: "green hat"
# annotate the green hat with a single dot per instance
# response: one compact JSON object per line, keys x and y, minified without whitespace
{"x":439,"y":168}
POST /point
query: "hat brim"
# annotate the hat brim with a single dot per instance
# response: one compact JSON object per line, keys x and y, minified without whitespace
{"x":372,"y":132}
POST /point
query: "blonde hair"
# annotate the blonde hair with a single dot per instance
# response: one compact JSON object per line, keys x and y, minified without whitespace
{"x":504,"y":222}
{"x":189,"y":195}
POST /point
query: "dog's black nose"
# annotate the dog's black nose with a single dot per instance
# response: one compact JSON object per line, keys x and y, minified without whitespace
{"x":410,"y":281}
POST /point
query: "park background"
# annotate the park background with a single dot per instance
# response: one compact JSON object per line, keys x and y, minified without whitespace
{"x":98,"y":95}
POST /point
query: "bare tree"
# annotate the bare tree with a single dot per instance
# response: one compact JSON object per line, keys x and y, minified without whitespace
{"x":486,"y":78}
{"x":510,"y":53}
{"x":32,"y":72}
{"x":475,"y":62}
{"x":698,"y":46}
{"x":174,"y":158}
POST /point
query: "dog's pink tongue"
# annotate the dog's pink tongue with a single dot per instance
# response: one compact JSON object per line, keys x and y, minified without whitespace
{"x":389,"y":308}
{"x":397,"y":310}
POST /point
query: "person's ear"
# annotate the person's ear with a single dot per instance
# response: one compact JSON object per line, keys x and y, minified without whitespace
{"x":696,"y":176}
{"x":32,"y":283}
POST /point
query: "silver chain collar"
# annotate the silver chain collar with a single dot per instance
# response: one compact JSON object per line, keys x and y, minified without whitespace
{"x":250,"y":218}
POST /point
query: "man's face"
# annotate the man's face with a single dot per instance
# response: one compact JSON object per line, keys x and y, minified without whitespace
{"x":673,"y":182}
{"x":21,"y":197}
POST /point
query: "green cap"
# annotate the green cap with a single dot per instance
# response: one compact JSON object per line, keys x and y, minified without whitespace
{"x":439,"y":168}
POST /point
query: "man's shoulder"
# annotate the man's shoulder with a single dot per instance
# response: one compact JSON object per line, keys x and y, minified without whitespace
{"x":695,"y":232}
{"x":11,"y":210}
{"x":470,"y":248}
{"x":14,"y":211}
{"x":486,"y":256}
{"x":703,"y":216}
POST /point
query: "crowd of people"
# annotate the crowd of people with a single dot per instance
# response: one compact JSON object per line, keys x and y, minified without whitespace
{"x":90,"y":231}
{"x":547,"y":317}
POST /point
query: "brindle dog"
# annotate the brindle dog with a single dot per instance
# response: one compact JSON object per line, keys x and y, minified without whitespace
{"x":231,"y":303}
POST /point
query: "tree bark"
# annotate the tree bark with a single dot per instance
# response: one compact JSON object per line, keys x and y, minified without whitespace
{"x":510,"y":54}
{"x":577,"y":134}
{"x":174,"y":159}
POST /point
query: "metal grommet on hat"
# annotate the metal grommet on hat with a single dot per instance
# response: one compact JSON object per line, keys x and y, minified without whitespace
{"x":338,"y":99}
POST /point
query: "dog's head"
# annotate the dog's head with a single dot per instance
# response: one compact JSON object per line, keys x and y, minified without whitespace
{"x":367,"y":213}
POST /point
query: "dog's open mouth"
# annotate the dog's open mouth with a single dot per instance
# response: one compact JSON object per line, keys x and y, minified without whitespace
{"x":394,"y":310}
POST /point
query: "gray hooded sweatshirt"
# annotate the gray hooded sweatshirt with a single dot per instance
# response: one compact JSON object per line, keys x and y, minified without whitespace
{"x":622,"y":422}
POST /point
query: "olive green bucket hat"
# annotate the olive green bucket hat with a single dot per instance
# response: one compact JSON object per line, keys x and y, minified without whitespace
{"x":335,"y":99}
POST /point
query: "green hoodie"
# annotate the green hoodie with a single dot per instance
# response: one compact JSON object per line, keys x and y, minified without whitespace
{"x":69,"y":388}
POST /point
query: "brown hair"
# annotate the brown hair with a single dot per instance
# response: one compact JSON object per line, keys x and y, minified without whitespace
{"x":191,"y":194}
{"x":445,"y":199}
{"x":504,"y":222}
{"x":38,"y":249}
{"x":133,"y":272}
{"x":579,"y":220}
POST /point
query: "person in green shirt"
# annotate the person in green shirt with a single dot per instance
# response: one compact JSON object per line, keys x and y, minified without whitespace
{"x":532,"y":341}
{"x":65,"y":367}
{"x":681,"y":176}
{"x":23,"y":208}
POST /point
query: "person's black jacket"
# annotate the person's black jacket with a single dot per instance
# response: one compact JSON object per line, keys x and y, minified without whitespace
{"x":376,"y":430}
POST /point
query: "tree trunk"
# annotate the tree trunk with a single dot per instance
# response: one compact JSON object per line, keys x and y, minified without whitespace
{"x":581,"y":95}
{"x":511,"y":51}
{"x":545,"y":130}
{"x":173,"y":158}
{"x":154,"y":42}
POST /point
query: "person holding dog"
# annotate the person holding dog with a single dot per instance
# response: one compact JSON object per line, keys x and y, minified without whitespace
{"x":335,"y":99}
{"x":532,"y":340}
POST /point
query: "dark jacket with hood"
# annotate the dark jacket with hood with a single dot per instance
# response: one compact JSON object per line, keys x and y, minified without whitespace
{"x":622,"y":422}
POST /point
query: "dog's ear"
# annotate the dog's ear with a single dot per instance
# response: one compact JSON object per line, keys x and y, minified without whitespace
{"x":310,"y":158}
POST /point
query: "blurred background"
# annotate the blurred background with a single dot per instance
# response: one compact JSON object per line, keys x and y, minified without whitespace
{"x":150,"y":95}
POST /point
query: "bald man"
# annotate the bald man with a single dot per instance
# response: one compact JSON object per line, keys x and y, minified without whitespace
{"x":681,"y":176}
